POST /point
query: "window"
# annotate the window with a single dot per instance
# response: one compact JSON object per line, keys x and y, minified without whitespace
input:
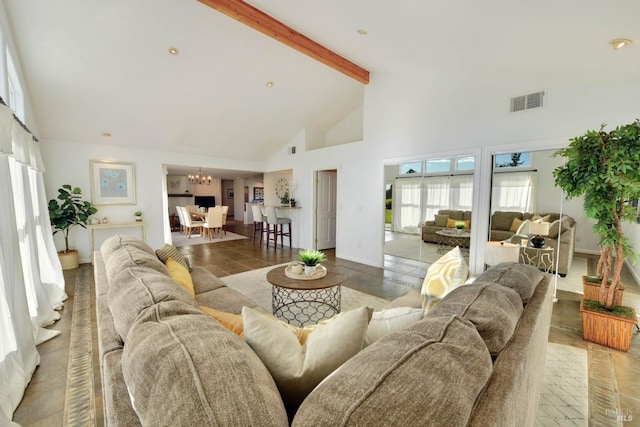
{"x":16,"y":98}
{"x":438,"y":165}
{"x":513,"y":160}
{"x":465,"y":163}
{"x":410,"y":168}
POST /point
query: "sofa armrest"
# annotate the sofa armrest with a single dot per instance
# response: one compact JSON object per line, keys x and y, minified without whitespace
{"x":432,"y":222}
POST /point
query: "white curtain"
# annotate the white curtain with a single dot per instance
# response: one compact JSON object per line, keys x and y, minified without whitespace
{"x":514,"y":191}
{"x":419,"y":199}
{"x":406,"y":204}
{"x":31,"y":280}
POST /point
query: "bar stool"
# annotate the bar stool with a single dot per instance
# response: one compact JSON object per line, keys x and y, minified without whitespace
{"x":278,"y":228}
{"x":258,"y":221}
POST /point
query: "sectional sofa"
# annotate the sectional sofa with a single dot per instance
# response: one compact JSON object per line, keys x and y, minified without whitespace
{"x":474,"y":360}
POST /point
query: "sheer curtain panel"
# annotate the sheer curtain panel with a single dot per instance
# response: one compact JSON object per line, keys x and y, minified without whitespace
{"x":406,"y":204}
{"x":514,"y":191}
{"x":31,"y":280}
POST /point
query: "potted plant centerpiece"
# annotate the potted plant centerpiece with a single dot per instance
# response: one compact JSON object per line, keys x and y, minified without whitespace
{"x":67,"y":211}
{"x":459,"y":227}
{"x":602,"y":167}
{"x":138,"y":215}
{"x":311,"y":259}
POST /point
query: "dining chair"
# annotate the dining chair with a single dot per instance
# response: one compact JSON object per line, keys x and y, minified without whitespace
{"x":258,"y":221}
{"x":214,"y":221}
{"x":190,"y":223}
{"x":181,"y":219}
{"x":225,"y":211}
{"x":278,"y":227}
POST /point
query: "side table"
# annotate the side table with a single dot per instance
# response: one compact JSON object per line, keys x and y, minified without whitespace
{"x":542,"y":258}
{"x":305,"y":302}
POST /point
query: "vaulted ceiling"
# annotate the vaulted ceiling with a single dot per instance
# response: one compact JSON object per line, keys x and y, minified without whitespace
{"x":94,"y":67}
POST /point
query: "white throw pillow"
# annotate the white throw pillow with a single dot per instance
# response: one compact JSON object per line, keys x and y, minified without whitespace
{"x":298,"y":367}
{"x":446,"y":274}
{"x":392,"y":320}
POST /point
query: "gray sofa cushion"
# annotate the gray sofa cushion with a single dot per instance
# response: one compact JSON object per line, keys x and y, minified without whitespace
{"x":226,"y":299}
{"x":441,"y":220}
{"x":558,"y":224}
{"x":431,"y":372}
{"x":493,"y":309}
{"x":116,"y":242}
{"x":136,"y":288}
{"x":183,"y":369}
{"x":502,"y":220}
{"x":522,"y":278}
{"x":204,"y":280}
{"x":130,"y":256}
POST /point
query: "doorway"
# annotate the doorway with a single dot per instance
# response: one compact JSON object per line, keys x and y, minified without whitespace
{"x":326,"y":202}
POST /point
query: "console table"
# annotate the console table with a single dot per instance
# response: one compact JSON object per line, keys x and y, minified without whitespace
{"x":93,"y":227}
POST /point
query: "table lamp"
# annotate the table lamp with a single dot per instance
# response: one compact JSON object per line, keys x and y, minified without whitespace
{"x":498,"y":252}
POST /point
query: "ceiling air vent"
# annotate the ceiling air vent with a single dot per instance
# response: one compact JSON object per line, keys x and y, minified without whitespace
{"x":526,"y":102}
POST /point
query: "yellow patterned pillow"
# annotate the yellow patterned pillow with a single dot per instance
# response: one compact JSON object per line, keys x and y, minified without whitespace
{"x":446,"y":274}
{"x":180,"y":275}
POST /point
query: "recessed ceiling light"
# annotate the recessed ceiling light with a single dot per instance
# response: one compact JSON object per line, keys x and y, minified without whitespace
{"x":106,"y":134}
{"x":619,"y":43}
{"x":362,"y":32}
{"x":269,"y":84}
{"x":173,"y":51}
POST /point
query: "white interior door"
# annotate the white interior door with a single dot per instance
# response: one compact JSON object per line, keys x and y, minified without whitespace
{"x":326,"y":209}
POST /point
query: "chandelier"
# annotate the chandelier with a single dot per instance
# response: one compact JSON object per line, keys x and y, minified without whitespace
{"x":199,"y":178}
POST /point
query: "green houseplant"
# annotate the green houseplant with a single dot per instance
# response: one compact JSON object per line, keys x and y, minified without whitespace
{"x":602,"y":167}
{"x":65,"y":212}
{"x":138,"y":215}
{"x":311,"y":258}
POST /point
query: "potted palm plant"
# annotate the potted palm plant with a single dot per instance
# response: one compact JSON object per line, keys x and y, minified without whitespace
{"x":66,"y":212}
{"x":602,"y":167}
{"x":311,"y":258}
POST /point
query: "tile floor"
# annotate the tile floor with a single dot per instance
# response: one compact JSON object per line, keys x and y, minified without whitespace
{"x":43,"y":402}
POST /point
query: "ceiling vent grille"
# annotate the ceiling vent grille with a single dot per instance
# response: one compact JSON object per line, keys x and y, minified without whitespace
{"x":527,"y":102}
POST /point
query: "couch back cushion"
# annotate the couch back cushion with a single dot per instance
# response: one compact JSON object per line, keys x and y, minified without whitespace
{"x":116,"y":242}
{"x":522,"y":278}
{"x":493,"y":309}
{"x":132,"y":256}
{"x":560,"y":226}
{"x":452,"y":213}
{"x":502,"y":220}
{"x":429,"y":374}
{"x":183,"y":369}
{"x":134,"y":289}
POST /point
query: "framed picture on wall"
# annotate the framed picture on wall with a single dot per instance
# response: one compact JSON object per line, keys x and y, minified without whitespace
{"x":229,"y":193}
{"x":112,"y":183}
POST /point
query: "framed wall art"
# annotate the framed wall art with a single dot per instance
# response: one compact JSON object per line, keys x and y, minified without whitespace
{"x":113,"y":183}
{"x":230,"y":193}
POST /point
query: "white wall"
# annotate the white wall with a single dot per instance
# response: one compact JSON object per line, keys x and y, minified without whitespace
{"x":68,"y":163}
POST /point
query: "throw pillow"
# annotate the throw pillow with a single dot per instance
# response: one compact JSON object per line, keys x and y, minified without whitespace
{"x":298,"y":367}
{"x":451,"y":223}
{"x":441,"y":220}
{"x":181,"y":275}
{"x":515,"y":225}
{"x":391,"y":320}
{"x":170,"y":251}
{"x":523,"y":227}
{"x":446,"y":274}
{"x":232,"y":322}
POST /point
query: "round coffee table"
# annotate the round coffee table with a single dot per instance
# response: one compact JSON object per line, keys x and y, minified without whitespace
{"x":305,"y":302}
{"x":448,"y":239}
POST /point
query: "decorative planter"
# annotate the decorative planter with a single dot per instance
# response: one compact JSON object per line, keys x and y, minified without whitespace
{"x":309,"y":270}
{"x":605,"y":329}
{"x":69,"y":260}
{"x":592,"y":291}
{"x":138,"y":218}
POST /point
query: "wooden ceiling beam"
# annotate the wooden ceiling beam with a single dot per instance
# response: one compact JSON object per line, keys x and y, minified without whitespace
{"x":258,"y":20}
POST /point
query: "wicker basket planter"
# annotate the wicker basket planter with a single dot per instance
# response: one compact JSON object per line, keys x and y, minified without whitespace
{"x":605,"y":329}
{"x":592,"y":290}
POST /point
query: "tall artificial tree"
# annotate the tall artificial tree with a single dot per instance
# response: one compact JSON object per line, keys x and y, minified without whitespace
{"x":604,"y":168}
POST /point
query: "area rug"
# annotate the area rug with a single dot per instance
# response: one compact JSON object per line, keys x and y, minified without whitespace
{"x":179,"y":239}
{"x":254,"y":285}
{"x":564,"y":395}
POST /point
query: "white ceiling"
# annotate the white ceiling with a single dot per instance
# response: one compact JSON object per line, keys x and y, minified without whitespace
{"x":94,"y":67}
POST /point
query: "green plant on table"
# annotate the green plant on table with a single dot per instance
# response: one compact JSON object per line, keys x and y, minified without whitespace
{"x":68,"y":211}
{"x":311,"y":257}
{"x":138,"y":213}
{"x":459,"y":225}
{"x":603,"y":168}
